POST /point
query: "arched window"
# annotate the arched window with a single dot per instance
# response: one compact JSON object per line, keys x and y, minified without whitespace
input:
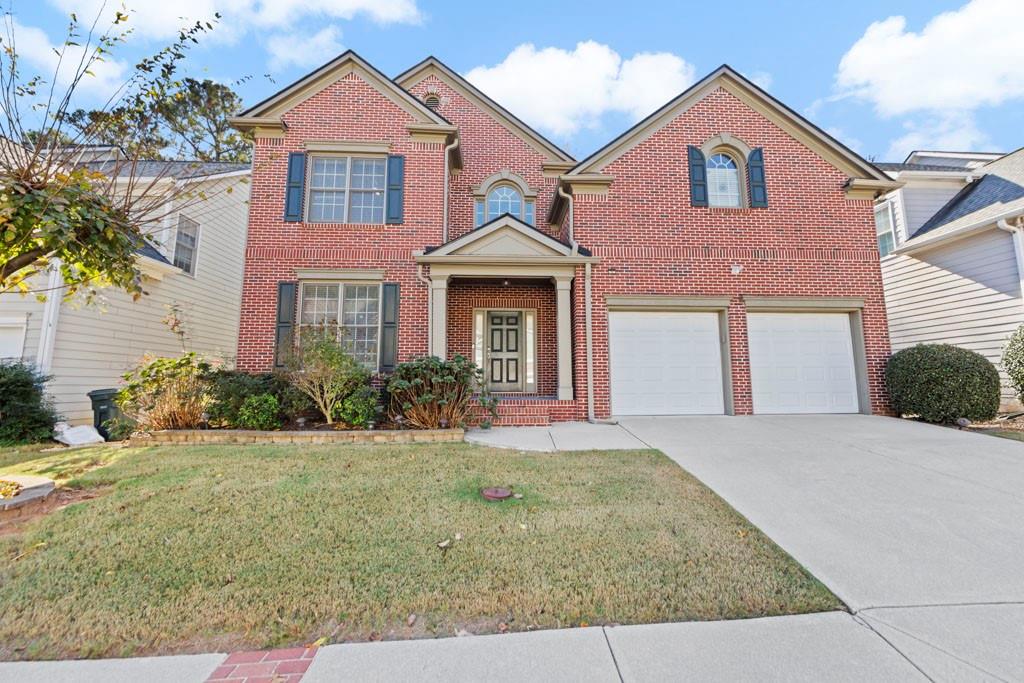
{"x":504,"y":199}
{"x":724,"y":187}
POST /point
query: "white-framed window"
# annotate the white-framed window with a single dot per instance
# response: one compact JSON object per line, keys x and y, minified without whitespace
{"x":723,"y":174}
{"x":353,"y":309}
{"x":186,"y":244}
{"x":345,"y":189}
{"x":884,"y":228}
{"x":12,"y":337}
{"x":502,"y":199}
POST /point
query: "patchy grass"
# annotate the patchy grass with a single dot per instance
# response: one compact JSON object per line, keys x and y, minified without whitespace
{"x":218,"y":547}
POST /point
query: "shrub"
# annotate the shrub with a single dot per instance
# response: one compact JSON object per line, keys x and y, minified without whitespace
{"x":431,"y":393}
{"x":941,"y":382}
{"x":230,"y":388}
{"x":26,"y":414}
{"x":360,"y":408}
{"x":119,"y":428}
{"x":259,"y":412}
{"x":325,"y":372}
{"x":1013,"y":360}
{"x":166,"y":393}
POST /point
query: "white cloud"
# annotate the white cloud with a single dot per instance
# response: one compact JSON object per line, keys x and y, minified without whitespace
{"x":40,"y":56}
{"x":283,"y":52}
{"x":840,"y":134}
{"x":761,"y":79}
{"x":960,"y":61}
{"x":160,"y":19}
{"x":562,"y":91}
{"x":954,"y":130}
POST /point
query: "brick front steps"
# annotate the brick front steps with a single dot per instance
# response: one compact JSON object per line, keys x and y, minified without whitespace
{"x":239,"y":436}
{"x":530,"y":411}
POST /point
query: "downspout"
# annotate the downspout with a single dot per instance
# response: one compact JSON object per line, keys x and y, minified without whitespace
{"x":430,"y":309}
{"x":587,"y":306}
{"x":572,"y":231}
{"x":444,"y":220}
{"x":1017,"y":232}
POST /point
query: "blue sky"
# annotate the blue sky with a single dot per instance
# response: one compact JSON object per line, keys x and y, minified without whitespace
{"x":883,"y":77}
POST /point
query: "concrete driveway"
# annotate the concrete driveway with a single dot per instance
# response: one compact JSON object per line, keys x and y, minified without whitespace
{"x":919,"y":529}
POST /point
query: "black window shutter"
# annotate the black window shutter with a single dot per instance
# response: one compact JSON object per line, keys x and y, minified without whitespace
{"x":285,"y":322}
{"x":698,"y":177}
{"x":396,"y":183}
{"x":295,"y":187}
{"x":755,"y":176}
{"x":389,"y":327}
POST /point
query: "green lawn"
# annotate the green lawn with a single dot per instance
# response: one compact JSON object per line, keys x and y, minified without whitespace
{"x":224,"y":547}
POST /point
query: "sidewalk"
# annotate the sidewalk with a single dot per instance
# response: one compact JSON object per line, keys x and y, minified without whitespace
{"x":560,"y":436}
{"x":832,"y":646}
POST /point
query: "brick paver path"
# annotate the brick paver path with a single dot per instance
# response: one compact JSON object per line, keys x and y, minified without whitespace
{"x":264,"y":666}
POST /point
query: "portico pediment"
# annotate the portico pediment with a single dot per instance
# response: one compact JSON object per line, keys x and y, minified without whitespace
{"x":506,"y":236}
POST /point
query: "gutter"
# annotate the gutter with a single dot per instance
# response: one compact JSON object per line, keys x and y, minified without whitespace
{"x":927,"y":242}
{"x":572,"y":228}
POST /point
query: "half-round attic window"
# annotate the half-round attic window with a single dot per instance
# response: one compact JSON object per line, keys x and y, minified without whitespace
{"x":432,"y":101}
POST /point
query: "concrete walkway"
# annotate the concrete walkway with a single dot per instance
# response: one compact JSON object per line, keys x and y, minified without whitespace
{"x":561,"y":436}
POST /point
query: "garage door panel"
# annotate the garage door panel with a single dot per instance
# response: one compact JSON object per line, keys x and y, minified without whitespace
{"x":801,"y":363}
{"x":665,"y":363}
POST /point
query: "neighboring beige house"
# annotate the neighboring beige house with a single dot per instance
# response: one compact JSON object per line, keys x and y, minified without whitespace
{"x":952,"y":251}
{"x":194,"y":261}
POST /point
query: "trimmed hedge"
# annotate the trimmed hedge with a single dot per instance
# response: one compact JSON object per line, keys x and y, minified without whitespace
{"x":941,"y":383}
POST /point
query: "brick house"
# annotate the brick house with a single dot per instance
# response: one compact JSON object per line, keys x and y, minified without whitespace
{"x":718,"y":257}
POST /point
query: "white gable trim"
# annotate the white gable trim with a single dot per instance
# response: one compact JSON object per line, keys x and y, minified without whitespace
{"x":524,"y":235}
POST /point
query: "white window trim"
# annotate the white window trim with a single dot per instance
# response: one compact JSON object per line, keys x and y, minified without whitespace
{"x":195,"y":249}
{"x":16,"y":322}
{"x":886,"y":205}
{"x":348,"y":156}
{"x":341,"y":299}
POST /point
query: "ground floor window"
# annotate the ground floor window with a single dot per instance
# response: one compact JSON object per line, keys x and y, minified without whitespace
{"x":353,"y":310}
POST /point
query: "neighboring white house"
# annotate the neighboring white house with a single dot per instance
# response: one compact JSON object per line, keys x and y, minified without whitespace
{"x":952,"y":251}
{"x":194,"y":262}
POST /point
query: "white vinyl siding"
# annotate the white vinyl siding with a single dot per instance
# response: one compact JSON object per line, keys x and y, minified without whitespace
{"x":966,"y":293}
{"x":921,"y":202}
{"x":95,"y":345}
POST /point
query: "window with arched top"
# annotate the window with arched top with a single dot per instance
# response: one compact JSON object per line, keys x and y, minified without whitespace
{"x":504,"y":193}
{"x":724,"y":187}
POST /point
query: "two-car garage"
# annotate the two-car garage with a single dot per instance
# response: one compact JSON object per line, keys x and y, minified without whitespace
{"x":675,"y":362}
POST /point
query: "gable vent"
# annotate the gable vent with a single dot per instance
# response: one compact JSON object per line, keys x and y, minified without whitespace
{"x":432,"y":101}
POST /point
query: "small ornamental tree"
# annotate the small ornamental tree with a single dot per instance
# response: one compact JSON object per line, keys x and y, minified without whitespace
{"x":321,"y":369}
{"x":88,"y":219}
{"x":1013,"y":360}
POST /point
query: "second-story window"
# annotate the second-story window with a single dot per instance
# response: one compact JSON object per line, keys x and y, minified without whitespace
{"x":504,"y":199}
{"x":723,"y":181}
{"x":186,"y":243}
{"x":884,"y":228}
{"x":346,"y":190}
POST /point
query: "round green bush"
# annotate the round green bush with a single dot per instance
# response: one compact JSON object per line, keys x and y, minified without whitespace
{"x":1013,"y":360}
{"x":259,"y":411}
{"x":941,"y":382}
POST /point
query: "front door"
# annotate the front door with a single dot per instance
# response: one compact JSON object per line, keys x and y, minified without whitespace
{"x":504,"y":350}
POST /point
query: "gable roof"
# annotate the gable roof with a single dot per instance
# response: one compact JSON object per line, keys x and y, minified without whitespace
{"x":991,"y":197}
{"x":434,"y":66}
{"x":729,"y":79}
{"x":538,"y":243}
{"x":323,"y":76}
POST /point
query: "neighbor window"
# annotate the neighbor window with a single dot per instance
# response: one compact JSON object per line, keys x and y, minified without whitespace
{"x":723,"y":181}
{"x":884,"y":228}
{"x":186,"y":242}
{"x":352,"y":310}
{"x":504,"y":199}
{"x":346,"y":190}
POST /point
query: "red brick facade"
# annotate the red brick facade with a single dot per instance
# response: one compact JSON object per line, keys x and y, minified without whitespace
{"x":811,"y":241}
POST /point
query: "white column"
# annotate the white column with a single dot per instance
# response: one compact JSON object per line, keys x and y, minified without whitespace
{"x":563,"y":287}
{"x":439,"y":318}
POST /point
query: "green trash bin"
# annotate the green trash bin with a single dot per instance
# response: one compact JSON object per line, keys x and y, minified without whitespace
{"x":103,"y":408}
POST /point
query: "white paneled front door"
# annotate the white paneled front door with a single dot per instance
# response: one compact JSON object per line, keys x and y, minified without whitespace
{"x":802,"y":363}
{"x":665,"y":363}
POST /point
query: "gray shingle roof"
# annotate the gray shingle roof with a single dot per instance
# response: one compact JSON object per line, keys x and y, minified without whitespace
{"x":898,"y":166}
{"x":152,"y":252}
{"x":999,"y":191}
{"x":171,"y":169}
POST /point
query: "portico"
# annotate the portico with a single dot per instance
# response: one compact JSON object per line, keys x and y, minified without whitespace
{"x":509,"y":277}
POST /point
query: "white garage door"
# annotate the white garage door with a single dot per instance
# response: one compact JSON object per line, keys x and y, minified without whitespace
{"x":802,"y":363}
{"x":665,"y":363}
